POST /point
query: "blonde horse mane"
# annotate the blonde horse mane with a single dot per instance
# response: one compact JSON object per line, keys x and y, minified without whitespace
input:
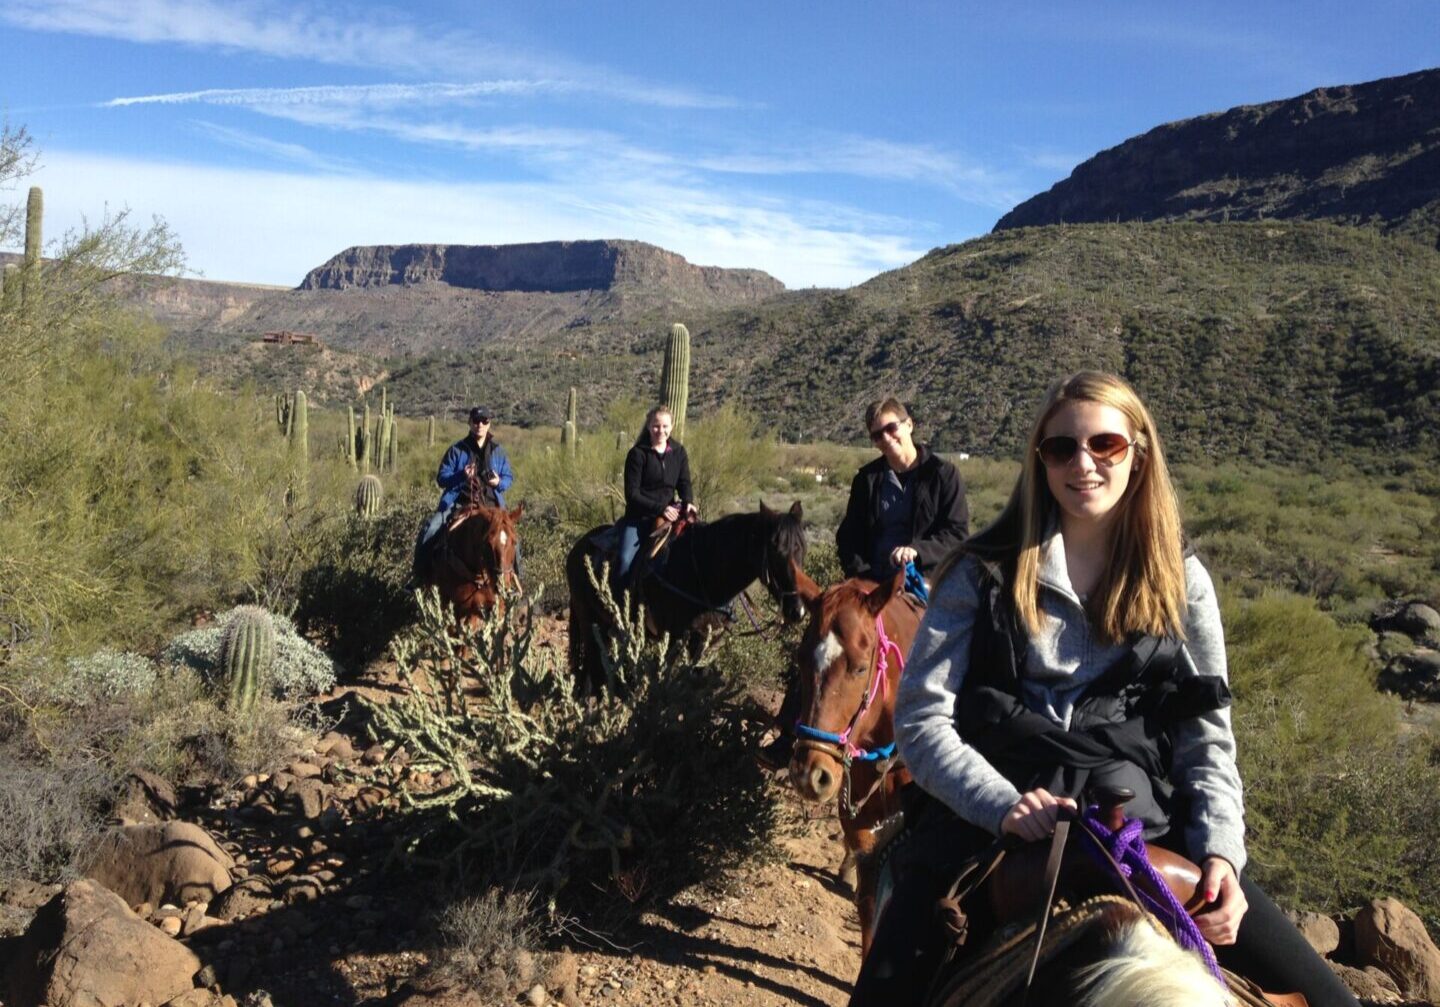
{"x":1146,"y":968}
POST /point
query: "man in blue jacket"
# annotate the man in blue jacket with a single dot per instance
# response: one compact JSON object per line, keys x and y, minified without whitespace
{"x":476,"y":454}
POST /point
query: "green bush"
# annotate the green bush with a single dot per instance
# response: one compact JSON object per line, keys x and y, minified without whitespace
{"x":637,"y":794}
{"x":300,"y":668}
{"x":1341,"y":807}
{"x":357,"y":593}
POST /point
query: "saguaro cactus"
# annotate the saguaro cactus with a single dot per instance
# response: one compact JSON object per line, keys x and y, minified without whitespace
{"x":300,"y":432}
{"x":368,"y":496}
{"x":350,"y":435}
{"x":675,"y":377}
{"x":568,"y":438}
{"x":367,"y":449}
{"x":34,"y":218}
{"x":247,"y":649}
{"x":9,"y":281}
{"x":430,"y":433}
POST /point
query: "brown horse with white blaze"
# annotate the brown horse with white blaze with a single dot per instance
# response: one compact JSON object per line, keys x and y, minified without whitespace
{"x":849,"y":662}
{"x":477,"y":558}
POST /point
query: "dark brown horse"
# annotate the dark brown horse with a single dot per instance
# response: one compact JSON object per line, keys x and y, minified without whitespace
{"x":476,"y":558}
{"x":849,"y":662}
{"x":689,"y":597}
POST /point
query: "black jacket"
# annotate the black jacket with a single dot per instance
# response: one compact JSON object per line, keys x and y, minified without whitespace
{"x":940,"y":516}
{"x":652,"y":481}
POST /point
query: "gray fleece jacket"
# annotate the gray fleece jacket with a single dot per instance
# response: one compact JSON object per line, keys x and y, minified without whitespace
{"x":1060,"y":664}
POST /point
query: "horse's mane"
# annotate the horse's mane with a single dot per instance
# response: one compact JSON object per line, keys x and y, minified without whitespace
{"x":789,"y":531}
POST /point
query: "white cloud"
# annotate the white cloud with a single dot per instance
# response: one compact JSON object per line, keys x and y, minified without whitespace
{"x":350,"y":37}
{"x":293,"y":153}
{"x":869,"y":157}
{"x":383,"y":95}
{"x":273,"y":226}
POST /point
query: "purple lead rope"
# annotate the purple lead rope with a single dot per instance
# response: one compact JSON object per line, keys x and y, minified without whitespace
{"x":1128,"y":849}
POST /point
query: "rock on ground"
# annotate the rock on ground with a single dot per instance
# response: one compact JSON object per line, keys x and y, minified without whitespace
{"x":86,"y":948}
{"x":175,"y":862}
{"x":1391,"y":936}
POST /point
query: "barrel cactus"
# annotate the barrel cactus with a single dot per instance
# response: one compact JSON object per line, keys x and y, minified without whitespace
{"x":247,"y":650}
{"x":368,"y":496}
{"x":675,"y":377}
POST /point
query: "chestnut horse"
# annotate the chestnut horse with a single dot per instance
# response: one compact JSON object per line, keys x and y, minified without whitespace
{"x":689,"y":597}
{"x":476,"y":558}
{"x":849,"y":662}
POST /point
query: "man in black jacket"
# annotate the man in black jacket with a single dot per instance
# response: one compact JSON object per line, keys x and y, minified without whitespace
{"x":906,"y":506}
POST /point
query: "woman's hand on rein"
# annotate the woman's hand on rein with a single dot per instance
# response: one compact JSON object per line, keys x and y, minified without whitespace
{"x":1035,"y":814}
{"x":1226,"y":903}
{"x":672,"y":514}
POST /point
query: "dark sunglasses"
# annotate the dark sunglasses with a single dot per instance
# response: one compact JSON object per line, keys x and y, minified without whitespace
{"x":1106,"y":449}
{"x":482,"y":420}
{"x":888,"y":430}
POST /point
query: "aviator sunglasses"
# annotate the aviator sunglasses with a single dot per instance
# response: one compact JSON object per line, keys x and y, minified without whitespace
{"x":1106,"y":449}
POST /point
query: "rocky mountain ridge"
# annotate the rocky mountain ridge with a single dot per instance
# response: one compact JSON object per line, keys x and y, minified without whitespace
{"x":1357,"y":154}
{"x":539,"y":267}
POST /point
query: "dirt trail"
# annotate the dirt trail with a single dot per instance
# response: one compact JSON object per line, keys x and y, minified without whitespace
{"x":782,"y":933}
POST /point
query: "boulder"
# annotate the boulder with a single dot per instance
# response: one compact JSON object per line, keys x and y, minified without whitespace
{"x":1418,"y":621}
{"x":1321,"y":932}
{"x":246,"y":898}
{"x":1391,"y":936}
{"x":147,"y":799}
{"x":1368,"y":984}
{"x":174,"y":862}
{"x":85,"y":947}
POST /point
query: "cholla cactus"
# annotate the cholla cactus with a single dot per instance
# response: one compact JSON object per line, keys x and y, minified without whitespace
{"x":675,"y":377}
{"x":247,"y":650}
{"x":368,"y":495}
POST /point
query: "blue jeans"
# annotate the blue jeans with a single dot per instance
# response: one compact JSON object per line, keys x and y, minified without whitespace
{"x":629,"y":549}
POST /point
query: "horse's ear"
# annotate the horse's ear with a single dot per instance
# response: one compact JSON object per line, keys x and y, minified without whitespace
{"x":877,"y":599}
{"x":807,"y":589}
{"x":517,"y":512}
{"x":765,"y":510}
{"x":796,"y":511}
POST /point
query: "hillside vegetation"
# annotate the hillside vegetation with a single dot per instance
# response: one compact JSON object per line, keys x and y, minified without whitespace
{"x":1263,"y":341}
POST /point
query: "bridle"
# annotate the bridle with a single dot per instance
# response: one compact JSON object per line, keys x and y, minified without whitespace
{"x":481,"y":578}
{"x":839,"y":746}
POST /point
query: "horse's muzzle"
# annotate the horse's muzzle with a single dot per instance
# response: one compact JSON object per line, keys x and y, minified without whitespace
{"x":816,"y":777}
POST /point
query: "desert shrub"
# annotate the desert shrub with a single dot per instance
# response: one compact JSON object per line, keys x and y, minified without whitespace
{"x":105,"y":675}
{"x":730,"y":456}
{"x":357,"y":595}
{"x":636,"y":793}
{"x":489,"y":943}
{"x":300,"y":668}
{"x":52,"y":810}
{"x":1341,"y":808}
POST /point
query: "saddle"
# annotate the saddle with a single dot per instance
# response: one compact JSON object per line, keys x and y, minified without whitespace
{"x":653,"y":551}
{"x":1017,"y":881}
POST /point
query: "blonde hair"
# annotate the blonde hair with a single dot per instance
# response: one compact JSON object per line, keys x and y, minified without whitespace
{"x":1142,"y":589}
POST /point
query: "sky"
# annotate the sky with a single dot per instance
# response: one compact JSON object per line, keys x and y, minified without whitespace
{"x":822,"y":142}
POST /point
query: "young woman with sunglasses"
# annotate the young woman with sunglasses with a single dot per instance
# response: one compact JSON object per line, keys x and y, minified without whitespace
{"x":1028,"y":653}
